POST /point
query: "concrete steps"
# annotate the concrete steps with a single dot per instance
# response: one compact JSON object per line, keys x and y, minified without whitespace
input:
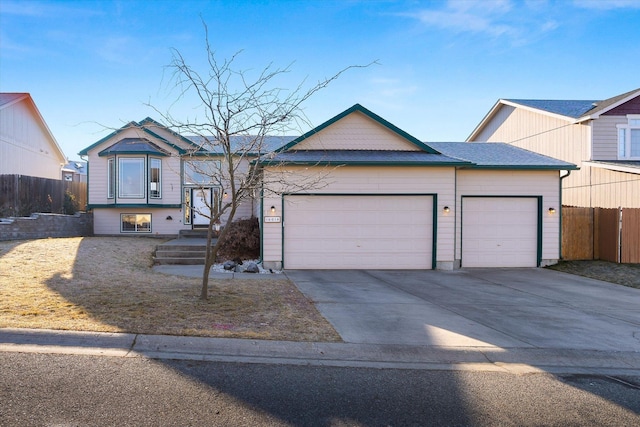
{"x":189,"y":249}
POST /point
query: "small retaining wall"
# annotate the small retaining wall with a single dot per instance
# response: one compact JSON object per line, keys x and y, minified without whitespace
{"x":43,"y":225}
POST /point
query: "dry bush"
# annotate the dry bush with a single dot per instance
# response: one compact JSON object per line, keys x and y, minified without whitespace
{"x":242,"y":240}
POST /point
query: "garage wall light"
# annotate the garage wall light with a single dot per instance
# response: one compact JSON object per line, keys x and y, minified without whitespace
{"x":552,"y":210}
{"x":273,"y":210}
{"x":446,"y":209}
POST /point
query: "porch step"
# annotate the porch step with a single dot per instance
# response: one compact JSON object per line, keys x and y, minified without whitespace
{"x":199,"y":233}
{"x":184,"y":251}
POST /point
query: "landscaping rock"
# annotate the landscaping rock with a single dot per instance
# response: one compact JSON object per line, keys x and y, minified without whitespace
{"x":229,"y":265}
{"x":252,"y":267}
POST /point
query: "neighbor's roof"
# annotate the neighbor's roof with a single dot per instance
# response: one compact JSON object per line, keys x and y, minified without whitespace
{"x":574,"y":111}
{"x":133,"y":146}
{"x":361,"y":158}
{"x":499,"y":156}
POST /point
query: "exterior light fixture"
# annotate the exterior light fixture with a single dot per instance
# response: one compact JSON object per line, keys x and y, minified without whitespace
{"x":273,"y":210}
{"x":216,"y":226}
{"x":446,"y":209}
{"x":169,"y":218}
{"x":225,"y":195}
{"x":552,"y":210}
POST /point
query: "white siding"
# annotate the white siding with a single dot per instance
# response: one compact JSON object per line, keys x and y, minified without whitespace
{"x":363,"y":180}
{"x":26,"y":146}
{"x":356,"y":131}
{"x":516,"y":183}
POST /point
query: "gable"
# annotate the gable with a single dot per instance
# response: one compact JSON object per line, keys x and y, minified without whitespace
{"x":356,"y":132}
{"x":630,"y":107}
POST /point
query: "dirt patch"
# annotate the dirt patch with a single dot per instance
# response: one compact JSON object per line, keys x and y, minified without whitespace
{"x":107,"y":284}
{"x":622,"y":274}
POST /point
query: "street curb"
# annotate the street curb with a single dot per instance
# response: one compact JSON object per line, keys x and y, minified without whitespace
{"x":163,"y":347}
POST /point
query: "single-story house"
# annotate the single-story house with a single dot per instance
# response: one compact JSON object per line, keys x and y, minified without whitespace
{"x":357,"y":192}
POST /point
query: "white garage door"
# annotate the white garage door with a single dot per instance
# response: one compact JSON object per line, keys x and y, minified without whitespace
{"x":499,"y":232}
{"x":358,"y":232}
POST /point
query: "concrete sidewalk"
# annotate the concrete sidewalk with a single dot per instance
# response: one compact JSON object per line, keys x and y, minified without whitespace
{"x":492,"y":359}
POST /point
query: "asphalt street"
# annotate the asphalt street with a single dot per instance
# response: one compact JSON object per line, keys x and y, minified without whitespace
{"x":75,"y":390}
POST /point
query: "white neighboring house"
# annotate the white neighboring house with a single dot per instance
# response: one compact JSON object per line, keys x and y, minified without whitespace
{"x":27,"y":146}
{"x":390,"y":201}
{"x":602,"y":137}
{"x":145,"y":179}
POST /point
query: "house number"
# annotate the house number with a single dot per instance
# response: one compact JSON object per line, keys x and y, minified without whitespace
{"x":271,"y":219}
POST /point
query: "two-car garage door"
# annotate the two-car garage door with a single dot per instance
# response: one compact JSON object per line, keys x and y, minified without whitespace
{"x":358,"y":231}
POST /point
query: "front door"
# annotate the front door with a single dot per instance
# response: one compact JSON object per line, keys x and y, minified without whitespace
{"x":201,"y":212}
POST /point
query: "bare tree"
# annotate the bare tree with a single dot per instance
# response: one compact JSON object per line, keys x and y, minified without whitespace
{"x":240,"y":110}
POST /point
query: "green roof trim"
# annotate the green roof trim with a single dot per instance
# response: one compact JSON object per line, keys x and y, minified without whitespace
{"x":359,"y":108}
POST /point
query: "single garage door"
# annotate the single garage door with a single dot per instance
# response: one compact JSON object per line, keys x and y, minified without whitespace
{"x":499,"y":232}
{"x":358,"y":232}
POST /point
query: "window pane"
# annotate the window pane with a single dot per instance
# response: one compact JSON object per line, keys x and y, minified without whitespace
{"x":128,"y":223}
{"x":154,"y":178}
{"x":136,"y":223}
{"x":111,"y":178}
{"x":202,"y":172}
{"x":635,"y":142}
{"x":131,"y":178}
{"x":621,"y":143}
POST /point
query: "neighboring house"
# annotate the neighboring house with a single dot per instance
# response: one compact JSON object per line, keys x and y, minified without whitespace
{"x":601,"y":137}
{"x":362,"y":193}
{"x":75,"y":171}
{"x":27,"y":146}
{"x":146,"y":179}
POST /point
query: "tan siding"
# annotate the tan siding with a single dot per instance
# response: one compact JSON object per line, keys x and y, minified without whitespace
{"x":549,"y":136}
{"x":356,"y":132}
{"x":107,"y":221}
{"x":26,"y":147}
{"x":370,"y":180}
{"x":516,"y":183}
{"x":612,"y":189}
{"x":605,"y":137}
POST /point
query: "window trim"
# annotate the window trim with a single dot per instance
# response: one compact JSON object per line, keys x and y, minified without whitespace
{"x":136,"y":231}
{"x":624,"y":137}
{"x":111,"y":178}
{"x":152,"y":160}
{"x":142,"y":177}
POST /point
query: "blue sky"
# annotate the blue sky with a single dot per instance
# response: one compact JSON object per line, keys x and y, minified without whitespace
{"x":92,"y":65}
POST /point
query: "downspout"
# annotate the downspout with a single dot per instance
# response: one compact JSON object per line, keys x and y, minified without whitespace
{"x":560,"y":210}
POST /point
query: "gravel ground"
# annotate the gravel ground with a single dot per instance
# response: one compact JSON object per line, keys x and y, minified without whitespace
{"x":622,"y":274}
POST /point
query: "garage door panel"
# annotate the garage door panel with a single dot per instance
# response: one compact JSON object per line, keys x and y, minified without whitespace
{"x":358,"y":232}
{"x":499,"y":232}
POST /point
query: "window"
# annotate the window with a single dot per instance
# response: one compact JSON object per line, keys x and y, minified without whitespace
{"x":135,"y":223}
{"x":201,"y":172}
{"x":131,"y":182}
{"x":187,"y":206}
{"x":111,"y":178}
{"x":155,"y":172}
{"x":629,"y":138}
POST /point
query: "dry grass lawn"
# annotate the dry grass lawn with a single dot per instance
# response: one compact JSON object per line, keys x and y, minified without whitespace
{"x":106,"y":284}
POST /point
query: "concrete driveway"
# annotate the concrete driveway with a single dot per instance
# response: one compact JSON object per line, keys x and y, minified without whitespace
{"x":507,"y":308}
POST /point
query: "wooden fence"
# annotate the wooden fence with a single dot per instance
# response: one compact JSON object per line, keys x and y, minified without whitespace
{"x":22,"y":195}
{"x":598,"y":233}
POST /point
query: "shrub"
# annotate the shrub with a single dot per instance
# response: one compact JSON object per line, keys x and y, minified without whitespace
{"x":242,"y":240}
{"x":70,"y":205}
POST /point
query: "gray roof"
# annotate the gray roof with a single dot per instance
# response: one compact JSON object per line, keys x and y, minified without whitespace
{"x":238,"y":143}
{"x":361,"y":157}
{"x":133,"y":145}
{"x":574,"y":109}
{"x":499,"y":156}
